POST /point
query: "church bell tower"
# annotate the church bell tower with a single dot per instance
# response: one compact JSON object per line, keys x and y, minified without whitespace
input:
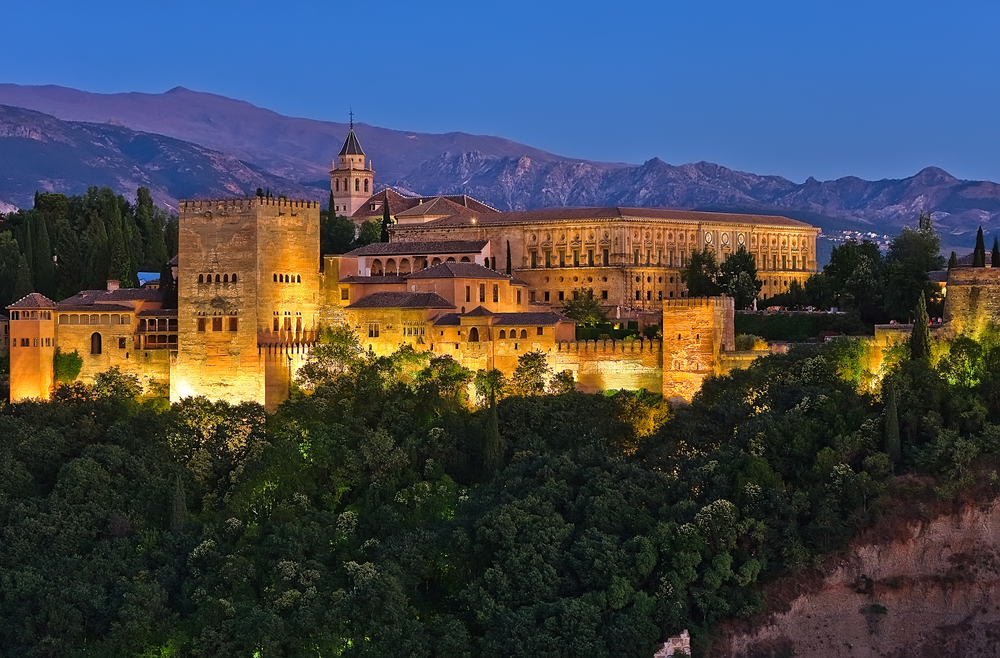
{"x":351,"y":182}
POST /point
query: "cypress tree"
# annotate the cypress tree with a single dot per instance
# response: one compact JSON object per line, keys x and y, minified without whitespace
{"x":179,"y":513}
{"x":920,"y":338}
{"x":508,"y":257}
{"x":70,"y":270}
{"x":24,"y":241}
{"x":45,"y":276}
{"x":168,"y":286}
{"x":953,"y":261}
{"x":891,"y":422}
{"x":979,"y":254}
{"x":23,"y":286}
{"x":97,"y":253}
{"x":995,"y":254}
{"x":386,"y":220}
{"x":330,"y":210}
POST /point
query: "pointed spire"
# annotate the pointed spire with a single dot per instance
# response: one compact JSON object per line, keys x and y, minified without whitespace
{"x":351,"y":144}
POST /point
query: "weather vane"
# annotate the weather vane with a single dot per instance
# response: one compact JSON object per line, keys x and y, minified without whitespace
{"x":352,"y":118}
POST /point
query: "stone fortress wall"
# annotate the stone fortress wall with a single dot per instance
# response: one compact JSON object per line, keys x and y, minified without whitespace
{"x":972,"y":299}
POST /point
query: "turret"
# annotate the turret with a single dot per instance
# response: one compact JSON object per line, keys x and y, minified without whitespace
{"x":351,"y":181}
{"x":32,"y":347}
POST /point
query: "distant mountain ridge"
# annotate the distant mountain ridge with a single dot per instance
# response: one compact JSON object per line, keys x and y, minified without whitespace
{"x":248,"y":145}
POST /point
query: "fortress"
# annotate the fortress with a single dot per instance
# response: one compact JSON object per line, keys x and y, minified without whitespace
{"x":457,"y":278}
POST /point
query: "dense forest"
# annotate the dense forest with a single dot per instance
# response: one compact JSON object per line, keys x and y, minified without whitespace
{"x":383,"y":512}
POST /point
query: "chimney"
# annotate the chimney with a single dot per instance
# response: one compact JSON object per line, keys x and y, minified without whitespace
{"x":112,"y":285}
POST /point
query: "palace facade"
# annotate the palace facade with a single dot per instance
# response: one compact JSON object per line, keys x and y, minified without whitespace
{"x":457,"y":278}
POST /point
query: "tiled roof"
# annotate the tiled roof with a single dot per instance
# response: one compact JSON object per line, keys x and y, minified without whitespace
{"x":33,"y":300}
{"x":94,"y":308}
{"x":120,"y":295}
{"x":437,"y":207}
{"x":518,"y":319}
{"x":351,"y":145}
{"x":157,"y":313}
{"x":400,"y":203}
{"x":420,"y":248}
{"x":448,"y":320}
{"x":611,"y":213}
{"x":457,"y":271}
{"x":479,"y":312}
{"x":403,"y":300}
{"x":374,"y":279}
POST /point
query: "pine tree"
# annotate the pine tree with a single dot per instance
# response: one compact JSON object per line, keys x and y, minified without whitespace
{"x":508,"y":257}
{"x":891,"y":422}
{"x":920,"y":338}
{"x":953,"y":261}
{"x":979,"y":254}
{"x":23,"y":286}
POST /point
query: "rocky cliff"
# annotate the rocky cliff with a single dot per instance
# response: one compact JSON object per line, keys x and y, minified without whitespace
{"x":932,"y":590}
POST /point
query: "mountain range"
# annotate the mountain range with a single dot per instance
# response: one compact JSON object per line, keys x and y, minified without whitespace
{"x":184,"y":143}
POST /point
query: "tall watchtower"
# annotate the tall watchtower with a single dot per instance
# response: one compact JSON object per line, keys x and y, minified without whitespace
{"x":350,"y":180}
{"x":32,"y":346}
{"x":248,"y":282}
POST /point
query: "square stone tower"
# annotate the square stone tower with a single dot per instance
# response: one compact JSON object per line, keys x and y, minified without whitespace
{"x":248,"y":282}
{"x":351,"y":182}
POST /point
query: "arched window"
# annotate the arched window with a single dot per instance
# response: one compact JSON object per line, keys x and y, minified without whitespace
{"x":275,"y":278}
{"x":435,"y":261}
{"x":201,"y":278}
{"x":345,"y":184}
{"x":298,"y":278}
{"x":217,"y":278}
{"x":225,"y":278}
{"x":234,"y":278}
{"x":474,"y":335}
{"x":95,"y":343}
{"x":357,"y":184}
{"x":503,"y":334}
{"x":465,"y":259}
{"x":366,"y":185}
{"x":336,"y":184}
{"x":524,"y":333}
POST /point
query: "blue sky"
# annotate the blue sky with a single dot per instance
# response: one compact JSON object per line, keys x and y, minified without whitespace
{"x":825,"y":89}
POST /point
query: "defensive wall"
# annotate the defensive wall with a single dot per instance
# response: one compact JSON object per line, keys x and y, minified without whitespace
{"x":972,"y":299}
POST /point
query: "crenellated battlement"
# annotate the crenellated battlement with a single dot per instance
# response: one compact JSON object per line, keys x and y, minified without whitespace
{"x":245,"y":204}
{"x":609,"y":346}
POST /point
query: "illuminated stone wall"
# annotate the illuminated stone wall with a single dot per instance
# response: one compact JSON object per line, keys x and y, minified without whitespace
{"x":695,"y":331}
{"x":31,"y":368}
{"x":972,"y":299}
{"x":120,"y":347}
{"x":272,"y":248}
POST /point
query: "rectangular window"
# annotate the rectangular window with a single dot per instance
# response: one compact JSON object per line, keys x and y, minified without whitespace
{"x":538,"y":331}
{"x":604,"y":294}
{"x":233,"y":324}
{"x":345,"y":294}
{"x":576,"y":258}
{"x":659,"y":295}
{"x":659,"y":257}
{"x":373,"y":330}
{"x":774,"y":262}
{"x":562,"y":296}
{"x":638,"y":295}
{"x":468,"y":293}
{"x":635,"y":257}
{"x":121,"y":343}
{"x":482,"y":292}
{"x":216,"y":324}
{"x":784,"y":262}
{"x":606,"y":257}
{"x":546,"y":295}
{"x":201,"y":324}
{"x":648,"y":252}
{"x":795,"y":261}
{"x":496,"y":293}
{"x":36,"y":342}
{"x":534,"y":259}
{"x":649,"y":295}
{"x":670,"y":258}
{"x":275,"y":324}
{"x":531,"y":296}
{"x":590,"y":257}
{"x":562,"y":258}
{"x":548,"y":259}
{"x":518,"y":297}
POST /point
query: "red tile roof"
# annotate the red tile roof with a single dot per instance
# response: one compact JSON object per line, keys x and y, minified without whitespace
{"x":457,"y":271}
{"x":420,"y":248}
{"x":34,"y":301}
{"x":403,"y":300}
{"x":399,"y":203}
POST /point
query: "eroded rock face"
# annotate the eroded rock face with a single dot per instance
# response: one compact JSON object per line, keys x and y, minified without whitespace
{"x":934,"y":593}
